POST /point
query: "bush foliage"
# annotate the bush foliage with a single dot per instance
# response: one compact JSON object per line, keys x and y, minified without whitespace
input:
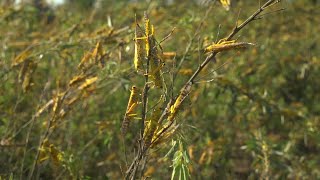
{"x":66,"y":75}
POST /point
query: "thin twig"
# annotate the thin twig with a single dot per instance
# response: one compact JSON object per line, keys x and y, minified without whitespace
{"x":47,"y":133}
{"x":167,"y":36}
{"x":134,"y":165}
{"x":235,"y":30}
{"x":132,"y":170}
{"x":191,"y":42}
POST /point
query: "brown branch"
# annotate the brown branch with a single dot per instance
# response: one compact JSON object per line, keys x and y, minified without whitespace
{"x":132,"y":170}
{"x":235,"y":30}
{"x":47,"y":133}
{"x":187,"y":50}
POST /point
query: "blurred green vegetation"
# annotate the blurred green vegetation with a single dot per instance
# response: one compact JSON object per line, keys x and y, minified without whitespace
{"x":259,"y":117}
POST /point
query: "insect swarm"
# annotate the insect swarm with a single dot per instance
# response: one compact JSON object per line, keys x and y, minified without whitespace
{"x":70,"y":100}
{"x":152,"y":54}
{"x":160,"y":124}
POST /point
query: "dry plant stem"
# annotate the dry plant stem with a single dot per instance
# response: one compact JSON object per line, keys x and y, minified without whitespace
{"x":191,"y":41}
{"x":134,"y":167}
{"x":235,"y":30}
{"x":135,"y":164}
{"x":27,"y":142}
{"x":143,"y":165}
{"x":145,"y":92}
{"x":144,"y":114}
{"x":144,"y":102}
{"x":33,"y":119}
{"x":131,"y":172}
{"x":46,"y":134}
{"x":141,"y":155}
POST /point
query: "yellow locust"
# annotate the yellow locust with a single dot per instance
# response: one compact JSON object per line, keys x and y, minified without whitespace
{"x":131,"y":109}
{"x":226,"y":4}
{"x":148,"y":50}
{"x":224,"y":45}
{"x":138,"y":48}
{"x":152,"y":123}
{"x":178,"y":102}
{"x":156,"y":64}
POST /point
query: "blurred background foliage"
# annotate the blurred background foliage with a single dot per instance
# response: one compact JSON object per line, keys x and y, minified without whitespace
{"x":258,"y":117}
